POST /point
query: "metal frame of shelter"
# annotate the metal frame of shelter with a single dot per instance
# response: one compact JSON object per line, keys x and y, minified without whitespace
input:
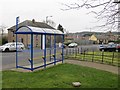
{"x":38,"y":31}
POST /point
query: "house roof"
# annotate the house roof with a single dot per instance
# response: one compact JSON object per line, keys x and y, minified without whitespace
{"x":36,"y":30}
{"x":32,"y":23}
{"x":102,"y":37}
{"x":99,"y":37}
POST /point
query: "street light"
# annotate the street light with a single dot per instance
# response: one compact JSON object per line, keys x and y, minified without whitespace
{"x":47,"y":18}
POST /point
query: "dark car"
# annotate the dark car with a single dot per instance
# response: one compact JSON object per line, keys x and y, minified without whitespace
{"x":118,"y":47}
{"x":109,"y":47}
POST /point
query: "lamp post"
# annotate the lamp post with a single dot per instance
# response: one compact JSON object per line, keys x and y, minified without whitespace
{"x":47,"y":19}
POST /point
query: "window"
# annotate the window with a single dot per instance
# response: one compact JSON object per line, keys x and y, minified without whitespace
{"x":36,"y":37}
{"x":22,"y":40}
{"x":12,"y":45}
{"x":13,"y":33}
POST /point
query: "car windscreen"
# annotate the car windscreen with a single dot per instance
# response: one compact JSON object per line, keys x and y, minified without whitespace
{"x":7,"y":44}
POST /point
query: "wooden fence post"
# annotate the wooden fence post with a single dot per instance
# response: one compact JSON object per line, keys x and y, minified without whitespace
{"x":112,"y":57}
{"x":78,"y":51}
{"x":66,"y":51}
{"x":84,"y":55}
{"x":75,"y":52}
{"x":102,"y":56}
{"x":93,"y":56}
{"x":81,"y":50}
{"x":70,"y":51}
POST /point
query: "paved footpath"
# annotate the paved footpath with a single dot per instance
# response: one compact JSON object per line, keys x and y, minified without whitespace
{"x":109,"y":68}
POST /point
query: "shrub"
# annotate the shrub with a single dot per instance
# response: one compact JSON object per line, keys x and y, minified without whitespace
{"x":4,"y":40}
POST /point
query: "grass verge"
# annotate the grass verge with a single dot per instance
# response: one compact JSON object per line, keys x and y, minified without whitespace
{"x":60,"y":76}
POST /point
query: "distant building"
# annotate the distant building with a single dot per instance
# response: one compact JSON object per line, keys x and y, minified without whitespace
{"x":103,"y":38}
{"x":92,"y":37}
{"x":26,"y":38}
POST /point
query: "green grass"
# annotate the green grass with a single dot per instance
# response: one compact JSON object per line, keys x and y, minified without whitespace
{"x":0,"y":80}
{"x":107,"y":58}
{"x":60,"y":76}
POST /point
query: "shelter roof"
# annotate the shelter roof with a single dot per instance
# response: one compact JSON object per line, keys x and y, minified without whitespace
{"x":37,"y":30}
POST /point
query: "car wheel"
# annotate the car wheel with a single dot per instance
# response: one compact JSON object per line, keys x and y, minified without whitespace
{"x":21,"y":48}
{"x":7,"y":49}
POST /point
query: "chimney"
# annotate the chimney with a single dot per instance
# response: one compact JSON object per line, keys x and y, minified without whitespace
{"x":33,"y":20}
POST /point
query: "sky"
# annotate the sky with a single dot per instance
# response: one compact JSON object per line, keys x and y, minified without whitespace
{"x":72,"y":20}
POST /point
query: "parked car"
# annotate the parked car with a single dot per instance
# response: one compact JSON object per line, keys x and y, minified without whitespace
{"x":12,"y":46}
{"x":109,"y":47}
{"x":118,"y":47}
{"x":64,"y":46}
{"x":72,"y":45}
{"x":101,"y":47}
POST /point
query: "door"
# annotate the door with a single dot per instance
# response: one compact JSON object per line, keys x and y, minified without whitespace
{"x":12,"y":47}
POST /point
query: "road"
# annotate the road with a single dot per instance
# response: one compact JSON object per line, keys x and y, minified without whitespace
{"x":8,"y":58}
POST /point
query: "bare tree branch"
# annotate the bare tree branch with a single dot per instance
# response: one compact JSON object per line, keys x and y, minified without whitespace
{"x":109,"y":11}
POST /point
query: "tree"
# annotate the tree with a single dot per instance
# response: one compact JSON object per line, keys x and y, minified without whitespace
{"x":2,"y":29}
{"x":59,"y":38}
{"x":3,"y":38}
{"x":60,"y":28}
{"x":50,"y":22}
{"x":105,"y":10}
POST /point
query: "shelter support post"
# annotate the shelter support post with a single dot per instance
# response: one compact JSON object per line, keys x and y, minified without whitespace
{"x":62,"y":48}
{"x":54,"y":49}
{"x":50,"y":47}
{"x":31,"y":52}
{"x":44,"y":51}
{"x":16,"y":53}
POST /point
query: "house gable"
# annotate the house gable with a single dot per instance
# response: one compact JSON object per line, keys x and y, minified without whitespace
{"x":93,"y":38}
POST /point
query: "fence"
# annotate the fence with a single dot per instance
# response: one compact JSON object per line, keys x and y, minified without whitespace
{"x":93,"y":55}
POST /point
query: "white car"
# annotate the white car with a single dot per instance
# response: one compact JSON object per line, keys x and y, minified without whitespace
{"x":72,"y":45}
{"x":12,"y":46}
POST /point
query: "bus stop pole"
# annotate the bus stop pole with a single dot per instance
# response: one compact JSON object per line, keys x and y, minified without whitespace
{"x":17,"y":20}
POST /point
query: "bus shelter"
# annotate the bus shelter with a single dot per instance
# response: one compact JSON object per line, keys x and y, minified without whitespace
{"x":38,"y":58}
